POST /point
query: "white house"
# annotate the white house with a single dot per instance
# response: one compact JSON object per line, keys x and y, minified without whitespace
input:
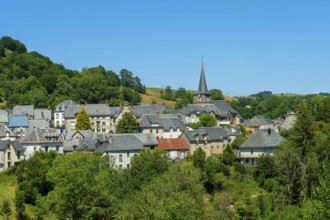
{"x":264,"y":141}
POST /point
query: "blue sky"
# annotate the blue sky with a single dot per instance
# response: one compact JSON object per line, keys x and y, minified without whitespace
{"x":248,"y":45}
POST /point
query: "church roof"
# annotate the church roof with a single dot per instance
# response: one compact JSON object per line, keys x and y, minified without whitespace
{"x":202,"y":88}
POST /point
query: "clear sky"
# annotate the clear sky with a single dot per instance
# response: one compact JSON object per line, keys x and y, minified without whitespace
{"x":248,"y":45}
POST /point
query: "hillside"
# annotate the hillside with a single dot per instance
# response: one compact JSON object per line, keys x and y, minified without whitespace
{"x":153,"y":94}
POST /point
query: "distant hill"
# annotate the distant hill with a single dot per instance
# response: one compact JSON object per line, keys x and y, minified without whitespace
{"x":153,"y":94}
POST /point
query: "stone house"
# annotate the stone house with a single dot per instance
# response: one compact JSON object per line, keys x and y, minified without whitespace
{"x":59,"y":119}
{"x":264,"y":141}
{"x":11,"y":152}
{"x":176,"y":148}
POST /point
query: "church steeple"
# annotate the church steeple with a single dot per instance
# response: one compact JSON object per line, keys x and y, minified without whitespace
{"x":202,"y":95}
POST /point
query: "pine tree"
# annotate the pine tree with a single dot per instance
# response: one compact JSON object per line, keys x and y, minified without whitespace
{"x":82,"y":120}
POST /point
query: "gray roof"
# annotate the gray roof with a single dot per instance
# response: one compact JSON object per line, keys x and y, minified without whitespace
{"x":257,"y":121}
{"x":121,"y":142}
{"x":115,"y":111}
{"x":87,"y":134}
{"x":172,"y":123}
{"x":4,"y":129}
{"x":16,"y":144}
{"x":264,"y":138}
{"x":41,"y":135}
{"x":65,"y":103}
{"x":42,"y":114}
{"x":213,"y":134}
{"x":148,"y":121}
{"x":41,"y":124}
{"x":139,"y":110}
{"x":224,"y":107}
{"x":203,"y":109}
{"x":71,"y":111}
{"x":202,"y":88}
{"x":3,"y":116}
{"x":98,"y":110}
{"x":89,"y":144}
{"x":147,"y":139}
{"x":26,"y":110}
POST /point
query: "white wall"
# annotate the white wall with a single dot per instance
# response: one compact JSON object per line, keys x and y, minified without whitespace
{"x":126,"y":160}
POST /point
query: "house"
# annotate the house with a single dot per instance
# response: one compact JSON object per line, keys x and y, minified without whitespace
{"x":290,"y":120}
{"x":42,"y":114}
{"x":140,"y":110}
{"x":70,"y":116}
{"x":264,"y":141}
{"x":26,"y":110}
{"x":211,"y":140}
{"x":59,"y":119}
{"x":176,"y":148}
{"x":3,"y":117}
{"x":259,"y":122}
{"x":115,"y":116}
{"x":42,"y":140}
{"x":80,"y":140}
{"x":222,"y":111}
{"x":163,"y":126}
{"x":99,"y":115}
{"x":121,"y":148}
{"x":7,"y":134}
{"x":11,"y":152}
{"x":18,"y":124}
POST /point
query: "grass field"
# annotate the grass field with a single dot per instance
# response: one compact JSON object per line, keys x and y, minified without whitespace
{"x":7,"y":191}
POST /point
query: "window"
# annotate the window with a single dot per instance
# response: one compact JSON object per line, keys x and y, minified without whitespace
{"x":253,"y":162}
{"x":103,"y":130}
{"x":128,"y":153}
{"x":46,"y":148}
{"x":18,"y":154}
{"x":247,"y":161}
{"x":92,"y":124}
{"x":157,"y":131}
{"x":57,"y":148}
{"x":150,"y":131}
{"x":120,"y":158}
{"x":127,"y":166}
{"x":57,"y":116}
{"x":34,"y":149}
{"x":9,"y":164}
{"x":218,"y":147}
{"x":251,"y":152}
{"x":103,"y":123}
{"x":9,"y":158}
{"x":98,"y":124}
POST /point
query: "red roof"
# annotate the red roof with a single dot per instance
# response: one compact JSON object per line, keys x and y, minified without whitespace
{"x":172,"y":144}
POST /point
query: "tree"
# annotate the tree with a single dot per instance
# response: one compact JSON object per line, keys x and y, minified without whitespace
{"x":175,"y":194}
{"x":266,"y":168}
{"x":127,"y":124}
{"x":5,"y":209}
{"x":198,"y":158}
{"x":207,"y":120}
{"x":131,"y":96}
{"x":216,"y":94}
{"x":80,"y":189}
{"x":82,"y":120}
{"x":229,"y":156}
{"x":238,"y":142}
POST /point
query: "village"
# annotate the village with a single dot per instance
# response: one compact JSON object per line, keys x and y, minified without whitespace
{"x":26,"y":130}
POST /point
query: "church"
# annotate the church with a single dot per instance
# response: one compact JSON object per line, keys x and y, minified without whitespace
{"x":203,"y":104}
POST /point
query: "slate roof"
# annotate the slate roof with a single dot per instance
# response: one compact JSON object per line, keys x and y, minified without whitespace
{"x":139,"y":110}
{"x":264,"y":138}
{"x":257,"y":121}
{"x":65,"y":103}
{"x":146,"y":139}
{"x":3,"y":116}
{"x":202,"y":87}
{"x":90,"y":144}
{"x":16,"y":144}
{"x":4,"y":129}
{"x":115,"y":111}
{"x":203,"y":109}
{"x":26,"y":110}
{"x":38,"y":124}
{"x":42,"y":114}
{"x":87,"y":134}
{"x":173,"y":144}
{"x":18,"y":121}
{"x":121,"y":142}
{"x":150,"y":121}
{"x":213,"y":134}
{"x":40,"y":136}
{"x":224,"y":107}
{"x":172,"y":123}
{"x":98,"y":110}
{"x":71,"y":111}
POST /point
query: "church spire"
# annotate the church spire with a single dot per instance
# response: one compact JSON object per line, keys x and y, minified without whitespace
{"x":202,"y":88}
{"x":202,"y":95}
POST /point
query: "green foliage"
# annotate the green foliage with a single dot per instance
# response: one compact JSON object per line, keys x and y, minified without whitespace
{"x":238,"y":142}
{"x":207,"y":120}
{"x":240,"y":168}
{"x":5,"y":209}
{"x":13,"y":45}
{"x":216,"y":94}
{"x":77,"y":192}
{"x":229,"y":156}
{"x":127,"y":124}
{"x":176,"y":194}
{"x":198,"y":158}
{"x":82,"y":120}
{"x":266,"y":168}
